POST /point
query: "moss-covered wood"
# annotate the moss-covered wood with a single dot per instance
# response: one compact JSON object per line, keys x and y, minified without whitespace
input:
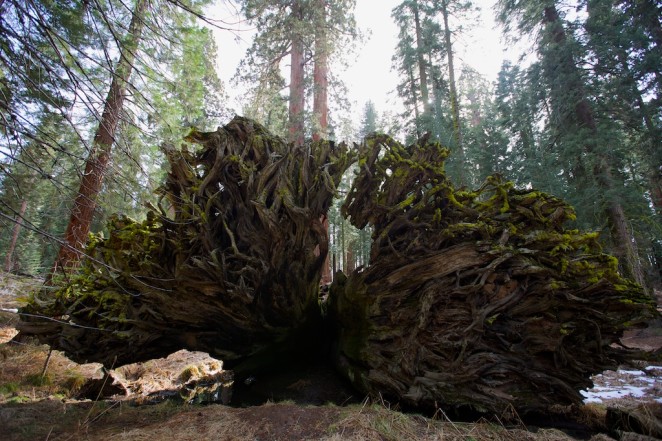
{"x":228,"y":263}
{"x":473,"y":298}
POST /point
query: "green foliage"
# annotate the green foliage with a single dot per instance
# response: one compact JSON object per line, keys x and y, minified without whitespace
{"x":38,"y":380}
{"x":582,"y":116}
{"x":50,"y":110}
{"x":42,"y":175}
{"x":9,"y":388}
{"x":369,"y":119}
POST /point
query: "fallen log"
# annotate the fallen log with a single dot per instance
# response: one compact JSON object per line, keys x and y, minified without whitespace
{"x":479,"y":299}
{"x":228,"y":263}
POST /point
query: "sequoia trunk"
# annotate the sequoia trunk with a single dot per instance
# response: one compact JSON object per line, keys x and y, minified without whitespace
{"x":82,"y":212}
{"x":297,"y":92}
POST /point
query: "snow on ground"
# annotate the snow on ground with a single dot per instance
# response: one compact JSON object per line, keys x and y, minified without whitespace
{"x":643,"y":384}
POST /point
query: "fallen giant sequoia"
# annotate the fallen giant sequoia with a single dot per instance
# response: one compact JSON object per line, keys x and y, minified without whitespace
{"x":478,"y":299}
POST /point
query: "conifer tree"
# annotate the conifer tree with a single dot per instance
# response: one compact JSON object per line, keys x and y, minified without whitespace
{"x":587,"y":165}
{"x":69,"y":46}
{"x":82,"y":212}
{"x":294,"y":33}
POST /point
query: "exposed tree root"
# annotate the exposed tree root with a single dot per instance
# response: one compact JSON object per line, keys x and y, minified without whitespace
{"x":472,"y":298}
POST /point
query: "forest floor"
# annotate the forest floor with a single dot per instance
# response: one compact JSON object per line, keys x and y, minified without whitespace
{"x":308,"y":404}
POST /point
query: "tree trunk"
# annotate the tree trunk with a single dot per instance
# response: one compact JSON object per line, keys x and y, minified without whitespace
{"x":656,"y":190}
{"x":320,"y":77}
{"x":350,"y":260}
{"x":423,"y":78}
{"x":417,"y":115}
{"x":9,"y":261}
{"x":297,"y":92}
{"x":455,"y":106}
{"x":82,"y":212}
{"x":320,"y":104}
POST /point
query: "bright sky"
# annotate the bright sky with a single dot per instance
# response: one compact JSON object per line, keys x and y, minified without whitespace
{"x":370,"y":76}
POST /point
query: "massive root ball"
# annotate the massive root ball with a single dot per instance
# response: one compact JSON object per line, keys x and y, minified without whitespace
{"x":472,"y":298}
{"x":229,"y":263}
{"x":476,"y":299}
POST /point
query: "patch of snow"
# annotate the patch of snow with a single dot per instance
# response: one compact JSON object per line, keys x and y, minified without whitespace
{"x":625,"y":383}
{"x":597,"y":395}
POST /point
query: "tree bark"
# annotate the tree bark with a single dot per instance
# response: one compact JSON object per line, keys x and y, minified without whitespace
{"x":455,"y":106}
{"x":320,"y":103}
{"x":466,"y":302}
{"x":320,"y":77}
{"x":417,"y":114}
{"x":9,"y":261}
{"x":82,"y":212}
{"x":422,"y":72}
{"x":297,"y":93}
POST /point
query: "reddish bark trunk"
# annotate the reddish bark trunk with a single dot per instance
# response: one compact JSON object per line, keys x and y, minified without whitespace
{"x":321,"y":78}
{"x":9,"y":261}
{"x":96,"y":166}
{"x":350,"y":262}
{"x":297,"y":95}
{"x":656,"y":193}
{"x":321,"y":106}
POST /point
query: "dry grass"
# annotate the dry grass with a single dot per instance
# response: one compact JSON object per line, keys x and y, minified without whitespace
{"x":377,"y":423}
{"x":217,"y":424}
{"x":22,"y":366}
{"x":43,"y":412}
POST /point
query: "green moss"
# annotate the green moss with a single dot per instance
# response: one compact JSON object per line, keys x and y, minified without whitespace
{"x":9,"y":388}
{"x":74,"y":382}
{"x":407,"y":202}
{"x":188,"y":373}
{"x":38,"y":380}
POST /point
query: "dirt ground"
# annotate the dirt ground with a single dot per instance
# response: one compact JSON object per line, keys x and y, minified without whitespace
{"x":310,"y":404}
